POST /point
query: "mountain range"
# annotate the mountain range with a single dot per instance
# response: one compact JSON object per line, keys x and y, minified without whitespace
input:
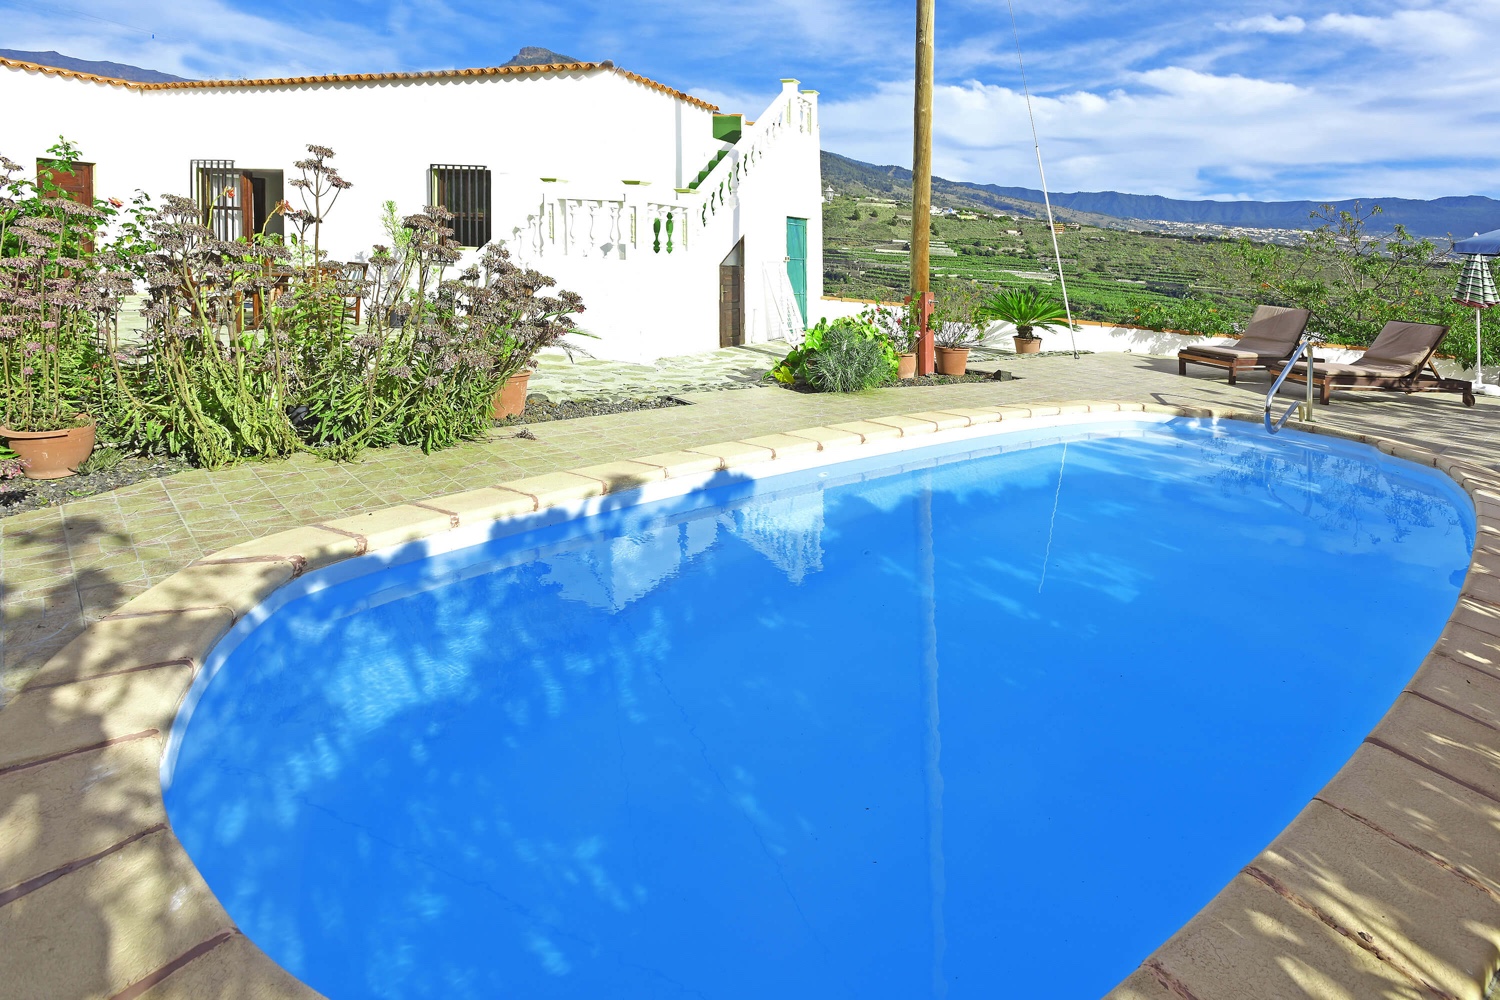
{"x":1437,"y":217}
{"x":113,"y":70}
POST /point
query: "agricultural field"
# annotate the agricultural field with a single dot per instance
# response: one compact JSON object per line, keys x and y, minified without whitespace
{"x":1112,"y":275}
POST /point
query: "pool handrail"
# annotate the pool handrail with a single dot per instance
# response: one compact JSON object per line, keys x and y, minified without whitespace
{"x":1286,"y":370}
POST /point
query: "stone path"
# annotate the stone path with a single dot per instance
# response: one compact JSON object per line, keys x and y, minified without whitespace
{"x":561,"y":380}
{"x":65,"y":567}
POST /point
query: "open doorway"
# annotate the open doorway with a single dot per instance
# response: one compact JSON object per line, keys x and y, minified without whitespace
{"x":732,"y":297}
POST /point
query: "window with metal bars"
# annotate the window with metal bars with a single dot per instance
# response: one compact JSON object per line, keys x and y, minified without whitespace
{"x":464,"y":191}
{"x":216,"y":188}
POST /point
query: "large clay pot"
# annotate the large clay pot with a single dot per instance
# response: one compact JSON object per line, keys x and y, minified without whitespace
{"x":952,"y":360}
{"x":510,"y":399}
{"x":906,"y":366}
{"x":1028,"y":345}
{"x":52,"y":454}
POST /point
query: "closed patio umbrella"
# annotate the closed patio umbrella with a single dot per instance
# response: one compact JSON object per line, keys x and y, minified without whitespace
{"x":1476,"y":288}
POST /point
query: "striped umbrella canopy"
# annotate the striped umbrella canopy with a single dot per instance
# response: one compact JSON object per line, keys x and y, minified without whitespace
{"x":1476,"y":286}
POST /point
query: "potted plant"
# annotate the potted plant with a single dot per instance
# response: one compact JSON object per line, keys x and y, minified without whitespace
{"x":956,"y":327}
{"x":898,"y":325}
{"x":951,"y":341}
{"x":49,"y":304}
{"x":510,"y":398}
{"x":1025,"y":308}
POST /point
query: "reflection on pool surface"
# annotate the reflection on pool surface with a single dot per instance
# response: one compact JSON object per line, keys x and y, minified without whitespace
{"x":991,"y":721}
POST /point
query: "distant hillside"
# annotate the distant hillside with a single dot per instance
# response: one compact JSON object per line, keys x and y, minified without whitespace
{"x":1438,"y":217}
{"x":852,"y":177}
{"x":118,"y":71}
{"x":531,"y":55}
{"x":1459,"y":216}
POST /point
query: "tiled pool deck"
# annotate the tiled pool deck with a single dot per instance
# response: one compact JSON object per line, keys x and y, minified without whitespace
{"x":1387,"y":885}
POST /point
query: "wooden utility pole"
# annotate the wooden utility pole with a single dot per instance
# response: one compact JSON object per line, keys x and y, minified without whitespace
{"x":921,"y":187}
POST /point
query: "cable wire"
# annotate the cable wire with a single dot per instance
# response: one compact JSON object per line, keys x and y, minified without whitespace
{"x":1041,"y":172}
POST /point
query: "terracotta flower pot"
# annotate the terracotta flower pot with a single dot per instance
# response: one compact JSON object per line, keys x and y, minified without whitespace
{"x":906,"y":366}
{"x":52,"y":454}
{"x":510,"y":399}
{"x":1028,"y":345}
{"x":952,"y":360}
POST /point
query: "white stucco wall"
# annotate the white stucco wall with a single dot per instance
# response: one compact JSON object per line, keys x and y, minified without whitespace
{"x":1099,"y":338}
{"x":591,"y":129}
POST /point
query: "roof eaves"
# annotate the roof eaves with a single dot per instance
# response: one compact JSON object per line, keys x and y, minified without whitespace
{"x":70,"y":73}
{"x":688,"y":98}
{"x":441,"y":74}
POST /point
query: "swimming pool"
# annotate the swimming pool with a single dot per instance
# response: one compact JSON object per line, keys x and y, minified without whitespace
{"x":957,"y":721}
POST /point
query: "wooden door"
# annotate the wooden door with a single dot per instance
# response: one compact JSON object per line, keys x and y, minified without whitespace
{"x":732,"y":298}
{"x":75,"y":186}
{"x":247,"y":207}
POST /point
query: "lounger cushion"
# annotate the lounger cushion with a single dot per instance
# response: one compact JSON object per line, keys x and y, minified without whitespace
{"x":1358,"y":369}
{"x":1227,"y":354}
{"x":1274,"y":330}
{"x":1410,"y":344}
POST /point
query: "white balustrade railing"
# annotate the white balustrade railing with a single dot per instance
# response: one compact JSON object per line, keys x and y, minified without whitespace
{"x":630,"y":224}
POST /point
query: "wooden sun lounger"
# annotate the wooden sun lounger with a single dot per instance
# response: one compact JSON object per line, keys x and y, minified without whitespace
{"x":1272,"y":336}
{"x":1400,"y":360}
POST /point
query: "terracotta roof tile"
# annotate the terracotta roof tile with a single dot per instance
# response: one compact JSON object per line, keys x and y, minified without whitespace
{"x":293,"y":81}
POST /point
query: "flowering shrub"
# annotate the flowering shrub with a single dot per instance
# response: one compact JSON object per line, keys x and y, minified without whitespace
{"x":52,"y":300}
{"x":251,"y":349}
{"x":12,"y":467}
{"x":199,"y":382}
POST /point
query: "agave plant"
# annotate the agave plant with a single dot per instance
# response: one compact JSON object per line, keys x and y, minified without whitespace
{"x":1025,"y":307}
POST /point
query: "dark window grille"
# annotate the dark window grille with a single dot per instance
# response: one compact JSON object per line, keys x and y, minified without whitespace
{"x":464,"y":191}
{"x":224,"y":215}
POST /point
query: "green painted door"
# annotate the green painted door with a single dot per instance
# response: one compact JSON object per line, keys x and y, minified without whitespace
{"x":796,"y":262}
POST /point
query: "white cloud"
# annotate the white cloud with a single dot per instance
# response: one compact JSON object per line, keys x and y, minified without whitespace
{"x":1427,"y":32}
{"x":1325,"y":105}
{"x":1180,"y":133}
{"x":1267,"y":24}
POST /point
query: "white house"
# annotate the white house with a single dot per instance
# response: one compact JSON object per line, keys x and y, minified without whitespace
{"x":683,"y":229}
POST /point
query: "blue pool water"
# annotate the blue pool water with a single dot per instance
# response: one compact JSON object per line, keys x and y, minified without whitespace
{"x":988,"y":721}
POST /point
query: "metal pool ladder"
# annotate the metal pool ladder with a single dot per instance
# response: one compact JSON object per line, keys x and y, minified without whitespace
{"x":1307,"y":406}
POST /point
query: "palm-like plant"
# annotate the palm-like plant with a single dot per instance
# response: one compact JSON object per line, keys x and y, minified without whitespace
{"x":1025,"y":307}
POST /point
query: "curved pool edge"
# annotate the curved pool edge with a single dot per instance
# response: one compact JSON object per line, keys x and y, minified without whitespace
{"x":1384,"y":883}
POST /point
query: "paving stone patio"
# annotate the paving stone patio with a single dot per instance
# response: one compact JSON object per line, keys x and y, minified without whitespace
{"x":63,"y":568}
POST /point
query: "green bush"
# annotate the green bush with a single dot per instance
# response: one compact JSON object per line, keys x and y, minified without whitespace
{"x":861,"y":356}
{"x":848,"y":362}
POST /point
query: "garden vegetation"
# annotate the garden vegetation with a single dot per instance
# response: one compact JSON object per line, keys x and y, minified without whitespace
{"x":251,"y":347}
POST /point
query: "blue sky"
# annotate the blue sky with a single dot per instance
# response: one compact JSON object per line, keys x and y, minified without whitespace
{"x":1211,"y":100}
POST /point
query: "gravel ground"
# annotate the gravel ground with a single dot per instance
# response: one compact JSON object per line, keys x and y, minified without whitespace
{"x":30,"y":494}
{"x":540,"y":409}
{"x":920,"y":381}
{"x":924,"y":380}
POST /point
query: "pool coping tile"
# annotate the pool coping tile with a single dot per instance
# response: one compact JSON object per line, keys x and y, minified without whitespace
{"x":784,"y":445}
{"x":829,"y":438}
{"x":682,"y":463}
